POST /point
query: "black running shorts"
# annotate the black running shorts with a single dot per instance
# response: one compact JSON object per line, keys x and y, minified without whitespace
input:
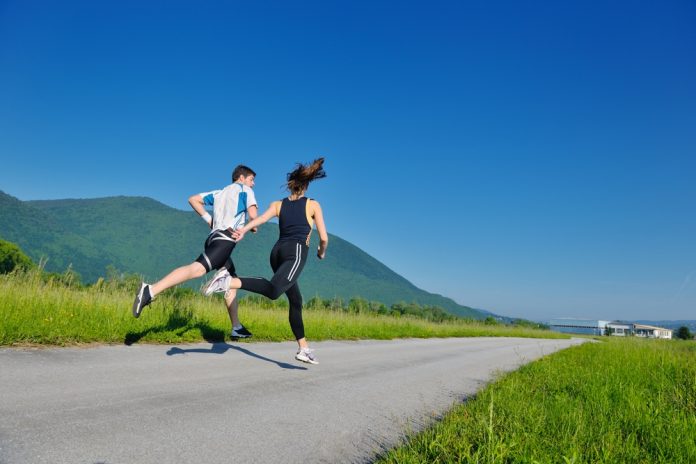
{"x":217,"y":250}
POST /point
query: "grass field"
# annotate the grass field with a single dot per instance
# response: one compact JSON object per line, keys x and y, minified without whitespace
{"x":615,"y":401}
{"x":36,"y":310}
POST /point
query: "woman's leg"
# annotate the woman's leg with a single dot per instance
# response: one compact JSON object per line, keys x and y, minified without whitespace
{"x":287,"y":260}
{"x":295,"y":314}
{"x":303,"y":354}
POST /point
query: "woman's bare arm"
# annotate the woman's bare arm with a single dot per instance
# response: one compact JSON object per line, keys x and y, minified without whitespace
{"x":318,"y":216}
{"x":265,"y":217}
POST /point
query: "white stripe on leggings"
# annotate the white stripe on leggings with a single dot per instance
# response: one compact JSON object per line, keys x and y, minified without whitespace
{"x":298,"y":256}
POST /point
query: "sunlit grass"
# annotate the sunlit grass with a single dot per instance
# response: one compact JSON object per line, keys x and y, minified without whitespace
{"x":616,"y":401}
{"x":37,"y":310}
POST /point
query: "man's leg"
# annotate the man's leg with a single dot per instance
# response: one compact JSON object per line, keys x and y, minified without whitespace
{"x":147,"y":292}
{"x":217,"y":250}
{"x":232,"y":307}
{"x":177,"y":276}
{"x":232,"y":303}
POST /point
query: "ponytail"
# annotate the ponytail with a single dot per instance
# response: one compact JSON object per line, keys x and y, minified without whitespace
{"x":299,"y":179}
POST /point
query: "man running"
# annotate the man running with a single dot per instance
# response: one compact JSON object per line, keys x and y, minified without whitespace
{"x":233,"y":207}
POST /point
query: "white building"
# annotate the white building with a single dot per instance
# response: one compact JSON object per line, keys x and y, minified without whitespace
{"x":619,"y":328}
{"x":623,"y":329}
{"x":579,"y":326}
{"x":615,"y":328}
{"x":650,"y":331}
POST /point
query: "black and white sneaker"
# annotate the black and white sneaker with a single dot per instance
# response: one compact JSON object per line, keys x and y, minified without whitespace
{"x":142,"y":299}
{"x":240,"y":333}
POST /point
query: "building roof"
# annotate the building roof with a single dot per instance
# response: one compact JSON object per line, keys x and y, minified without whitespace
{"x":650,"y":327}
{"x":628,"y":324}
{"x":570,"y":321}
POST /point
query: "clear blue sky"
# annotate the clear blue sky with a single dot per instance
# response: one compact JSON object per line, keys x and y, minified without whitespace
{"x":536,"y":159}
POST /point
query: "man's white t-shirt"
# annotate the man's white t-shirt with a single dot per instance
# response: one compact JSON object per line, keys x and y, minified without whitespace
{"x":230,"y":205}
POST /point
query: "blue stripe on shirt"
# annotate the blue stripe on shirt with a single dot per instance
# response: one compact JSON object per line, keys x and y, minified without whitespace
{"x":241,"y":203}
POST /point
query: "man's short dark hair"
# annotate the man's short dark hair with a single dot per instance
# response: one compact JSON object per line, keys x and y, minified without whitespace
{"x":242,"y":170}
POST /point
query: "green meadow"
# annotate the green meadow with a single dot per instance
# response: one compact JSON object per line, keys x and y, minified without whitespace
{"x":36,"y":308}
{"x":614,"y":401}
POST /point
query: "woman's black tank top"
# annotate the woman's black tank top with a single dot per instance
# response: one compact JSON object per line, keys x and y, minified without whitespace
{"x":293,"y":222}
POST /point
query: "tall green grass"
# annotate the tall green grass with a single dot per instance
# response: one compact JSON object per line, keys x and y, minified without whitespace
{"x":617,"y":401}
{"x":35,"y":309}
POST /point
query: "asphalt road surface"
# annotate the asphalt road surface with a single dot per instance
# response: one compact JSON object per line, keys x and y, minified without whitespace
{"x":239,"y":402}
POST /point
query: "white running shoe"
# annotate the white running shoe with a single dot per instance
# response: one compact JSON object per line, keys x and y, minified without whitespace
{"x":220,"y":282}
{"x":306,"y":355}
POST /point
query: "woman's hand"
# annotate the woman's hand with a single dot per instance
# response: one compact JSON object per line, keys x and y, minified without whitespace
{"x":238,"y":235}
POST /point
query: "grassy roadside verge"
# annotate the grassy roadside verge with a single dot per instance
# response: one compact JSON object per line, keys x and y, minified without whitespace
{"x":616,"y":401}
{"x":36,"y":311}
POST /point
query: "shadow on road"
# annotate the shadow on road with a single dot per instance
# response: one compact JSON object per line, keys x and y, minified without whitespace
{"x":222,"y":347}
{"x":179,"y":322}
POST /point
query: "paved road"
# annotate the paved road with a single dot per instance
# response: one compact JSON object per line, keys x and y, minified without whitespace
{"x":228,"y":403}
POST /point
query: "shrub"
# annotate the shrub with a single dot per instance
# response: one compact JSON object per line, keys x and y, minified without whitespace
{"x":12,"y":257}
{"x":684,"y":333}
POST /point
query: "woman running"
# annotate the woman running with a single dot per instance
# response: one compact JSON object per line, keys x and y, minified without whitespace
{"x":296,"y":214}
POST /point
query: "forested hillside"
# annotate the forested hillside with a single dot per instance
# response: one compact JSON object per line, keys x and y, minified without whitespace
{"x":141,"y":235}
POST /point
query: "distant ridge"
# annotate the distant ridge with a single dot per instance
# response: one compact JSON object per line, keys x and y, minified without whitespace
{"x":142,"y":235}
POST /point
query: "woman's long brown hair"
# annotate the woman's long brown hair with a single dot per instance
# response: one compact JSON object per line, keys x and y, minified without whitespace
{"x":299,"y":179}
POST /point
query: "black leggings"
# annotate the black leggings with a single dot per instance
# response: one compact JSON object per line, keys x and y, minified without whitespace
{"x":287,"y":261}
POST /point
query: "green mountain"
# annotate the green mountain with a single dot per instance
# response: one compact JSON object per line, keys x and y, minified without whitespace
{"x":141,"y":235}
